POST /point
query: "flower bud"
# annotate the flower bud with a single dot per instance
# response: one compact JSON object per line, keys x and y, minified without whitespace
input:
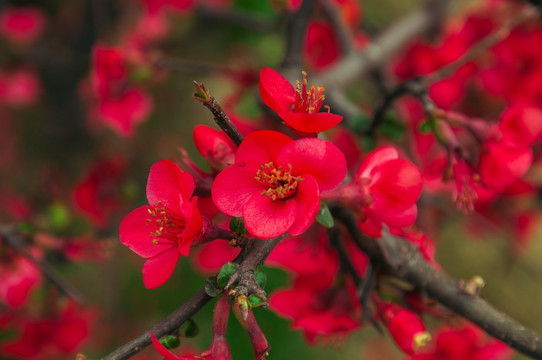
{"x":405,"y":327}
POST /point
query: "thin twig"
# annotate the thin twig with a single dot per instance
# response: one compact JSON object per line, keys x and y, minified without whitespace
{"x":403,"y":260}
{"x":352,"y":67}
{"x":527,"y":13}
{"x":296,"y":29}
{"x":16,"y":240}
{"x":166,"y":326}
{"x":254,"y":254}
{"x":343,"y":32}
{"x":220,"y":117}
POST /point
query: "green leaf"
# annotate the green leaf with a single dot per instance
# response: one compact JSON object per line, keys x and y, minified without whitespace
{"x":324,"y":215}
{"x":426,"y":127}
{"x":189,"y":329}
{"x":211,"y":287}
{"x":261,"y":278}
{"x":391,"y":127}
{"x":237,"y":225}
{"x":59,"y":216}
{"x":225,"y":273}
{"x":170,"y":341}
{"x":359,"y":123}
{"x":255,"y":301}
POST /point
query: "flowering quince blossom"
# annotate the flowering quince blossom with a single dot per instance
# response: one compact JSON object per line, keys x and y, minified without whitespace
{"x":405,"y":327}
{"x":165,"y":229}
{"x":120,"y":104}
{"x":466,"y":342}
{"x":275,"y":182}
{"x":18,"y":277}
{"x":298,"y":108}
{"x":384,"y":189}
{"x":21,"y":25}
{"x":51,"y":338}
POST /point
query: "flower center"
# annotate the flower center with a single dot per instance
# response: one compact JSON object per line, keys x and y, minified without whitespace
{"x":308,"y":100}
{"x":280,"y":183}
{"x":166,"y":224}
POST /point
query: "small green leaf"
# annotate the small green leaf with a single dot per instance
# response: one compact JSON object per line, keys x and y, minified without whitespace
{"x":189,"y":329}
{"x":261,"y":278}
{"x":324,"y":215}
{"x":359,"y":123}
{"x":426,"y":127}
{"x":225,"y":273}
{"x":237,"y":225}
{"x":59,"y":216}
{"x":255,"y":301}
{"x":211,"y":287}
{"x":391,"y":127}
{"x":170,"y":341}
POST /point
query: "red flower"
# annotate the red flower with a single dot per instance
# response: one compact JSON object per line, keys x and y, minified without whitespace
{"x":96,"y":194}
{"x":21,"y":25}
{"x":18,"y":277}
{"x":465,"y":343}
{"x":165,"y":229}
{"x":299,"y":108}
{"x":405,"y":327}
{"x":19,"y":87}
{"x":215,"y":146}
{"x":384,"y":190}
{"x":120,"y":104}
{"x":51,"y":338}
{"x":275,"y":182}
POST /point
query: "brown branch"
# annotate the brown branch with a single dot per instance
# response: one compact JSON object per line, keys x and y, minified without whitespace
{"x":296,"y":29}
{"x":220,"y":117}
{"x":253,"y":254}
{"x":527,"y":13}
{"x":377,"y":54}
{"x":166,"y":326}
{"x":403,"y":259}
{"x":16,"y":240}
{"x":343,"y":32}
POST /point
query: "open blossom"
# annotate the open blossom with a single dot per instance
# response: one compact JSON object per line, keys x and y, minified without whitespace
{"x":384,"y":190}
{"x":165,"y":229}
{"x":275,"y":182}
{"x":21,"y":25}
{"x":120,"y":104}
{"x":18,"y":277}
{"x":298,"y":108}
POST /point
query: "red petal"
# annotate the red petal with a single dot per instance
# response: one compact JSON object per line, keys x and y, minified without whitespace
{"x":169,"y":184}
{"x":500,"y":166}
{"x":192,"y":228}
{"x":375,"y":158}
{"x":397,"y":185}
{"x":261,"y":147}
{"x":521,"y":126}
{"x":266,"y":218}
{"x":319,"y":158}
{"x":233,"y":187}
{"x":400,"y":219}
{"x":310,"y":123}
{"x":158,"y":269}
{"x":162,"y":350}
{"x":307,"y":199}
{"x":275,"y":90}
{"x":135,"y":232}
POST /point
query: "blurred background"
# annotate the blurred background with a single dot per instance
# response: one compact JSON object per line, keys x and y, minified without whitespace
{"x":93,"y":92}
